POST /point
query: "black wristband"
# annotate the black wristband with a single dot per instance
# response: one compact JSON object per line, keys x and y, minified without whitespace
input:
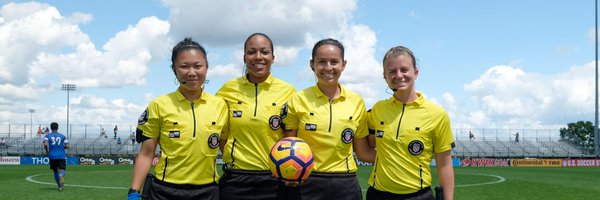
{"x":131,"y":190}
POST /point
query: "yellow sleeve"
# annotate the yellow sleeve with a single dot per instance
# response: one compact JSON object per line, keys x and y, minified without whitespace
{"x":289,"y":113}
{"x":443,"y":141}
{"x":362,"y":129}
{"x":149,"y":121}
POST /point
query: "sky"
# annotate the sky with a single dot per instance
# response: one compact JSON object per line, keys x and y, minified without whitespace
{"x":490,"y":64}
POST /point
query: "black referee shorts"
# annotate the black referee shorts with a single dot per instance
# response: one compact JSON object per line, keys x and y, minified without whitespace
{"x":328,"y":186}
{"x":243,"y":184}
{"x":58,"y":164}
{"x":164,"y":190}
{"x":424,"y":194}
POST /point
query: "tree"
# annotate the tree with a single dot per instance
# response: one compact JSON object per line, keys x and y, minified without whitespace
{"x":579,"y":133}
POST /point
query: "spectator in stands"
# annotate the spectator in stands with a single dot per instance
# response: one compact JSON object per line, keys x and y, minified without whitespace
{"x":103,"y":133}
{"x":471,"y":136}
{"x":46,"y":131}
{"x":40,"y":132}
{"x":132,"y":137}
{"x":405,"y":145}
{"x":187,"y":124}
{"x":115,"y":131}
{"x":3,"y":144}
{"x":55,"y":144}
{"x":517,"y":137}
{"x":119,"y":140}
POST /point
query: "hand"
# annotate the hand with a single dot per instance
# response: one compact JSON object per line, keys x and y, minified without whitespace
{"x":134,"y":196}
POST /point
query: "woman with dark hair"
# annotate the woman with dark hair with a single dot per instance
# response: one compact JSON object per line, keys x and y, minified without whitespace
{"x":187,"y":124}
{"x":255,"y":101}
{"x":328,"y":117}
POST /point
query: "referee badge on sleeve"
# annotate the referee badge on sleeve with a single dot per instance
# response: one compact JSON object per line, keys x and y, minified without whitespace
{"x":214,"y":140}
{"x":143,"y":118}
{"x":347,"y":135}
{"x":284,"y":111}
{"x":275,"y":122}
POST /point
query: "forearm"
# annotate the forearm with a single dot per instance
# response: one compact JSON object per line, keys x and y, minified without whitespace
{"x":291,"y":133}
{"x":143,"y":163}
{"x":446,"y":174}
{"x":363,"y":150}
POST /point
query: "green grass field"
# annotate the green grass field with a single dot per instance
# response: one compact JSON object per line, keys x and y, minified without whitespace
{"x":111,"y":182}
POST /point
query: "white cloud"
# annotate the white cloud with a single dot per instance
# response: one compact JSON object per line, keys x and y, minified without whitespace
{"x":124,"y":61}
{"x":27,"y":30}
{"x":224,"y":71}
{"x":230,"y":22}
{"x":284,"y":56}
{"x":511,"y":97}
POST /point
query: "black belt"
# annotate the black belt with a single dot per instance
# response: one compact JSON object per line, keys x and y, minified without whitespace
{"x":249,"y":172}
{"x":330,"y":174}
{"x":183,"y":186}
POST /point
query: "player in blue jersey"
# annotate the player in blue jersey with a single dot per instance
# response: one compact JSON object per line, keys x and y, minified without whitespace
{"x":55,"y":144}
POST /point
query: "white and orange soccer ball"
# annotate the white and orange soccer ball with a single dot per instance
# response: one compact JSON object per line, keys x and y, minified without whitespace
{"x":291,"y":160}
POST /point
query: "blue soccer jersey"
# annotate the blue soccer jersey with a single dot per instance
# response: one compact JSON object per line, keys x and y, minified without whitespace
{"x":56,"y":145}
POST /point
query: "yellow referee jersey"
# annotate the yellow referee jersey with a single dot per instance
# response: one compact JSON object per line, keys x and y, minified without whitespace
{"x":328,"y":127}
{"x":407,"y":136}
{"x":255,"y":122}
{"x":188,"y":135}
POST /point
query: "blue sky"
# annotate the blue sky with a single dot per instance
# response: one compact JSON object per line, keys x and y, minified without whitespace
{"x":490,"y":64}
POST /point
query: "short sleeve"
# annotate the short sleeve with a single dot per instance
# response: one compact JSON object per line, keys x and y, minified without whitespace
{"x":444,"y":141}
{"x":362,"y":130}
{"x":289,"y":113}
{"x":149,"y":121}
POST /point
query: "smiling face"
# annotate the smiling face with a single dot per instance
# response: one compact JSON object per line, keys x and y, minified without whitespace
{"x":328,"y":64}
{"x":400,"y":73}
{"x":190,"y":68}
{"x":258,"y":56}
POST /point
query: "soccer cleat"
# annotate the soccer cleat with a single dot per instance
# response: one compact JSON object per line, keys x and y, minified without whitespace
{"x":60,"y":189}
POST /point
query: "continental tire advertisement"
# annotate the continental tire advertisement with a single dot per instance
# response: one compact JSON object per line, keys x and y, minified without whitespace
{"x":536,"y":162}
{"x":106,"y":161}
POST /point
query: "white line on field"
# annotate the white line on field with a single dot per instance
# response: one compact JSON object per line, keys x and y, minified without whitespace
{"x":30,"y":179}
{"x":500,"y":180}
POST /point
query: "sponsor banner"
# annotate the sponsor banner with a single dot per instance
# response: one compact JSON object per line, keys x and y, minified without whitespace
{"x":106,"y":161}
{"x":10,"y":160}
{"x":484,"y":162}
{"x":455,"y":162}
{"x":581,"y":162}
{"x":536,"y":162}
{"x":39,"y":160}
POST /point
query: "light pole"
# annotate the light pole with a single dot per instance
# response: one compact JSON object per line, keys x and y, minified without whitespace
{"x":68,"y":88}
{"x":31,"y":111}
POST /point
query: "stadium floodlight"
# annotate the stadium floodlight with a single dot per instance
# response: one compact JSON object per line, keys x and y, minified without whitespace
{"x":31,"y":111}
{"x":596,"y":133}
{"x":68,"y":88}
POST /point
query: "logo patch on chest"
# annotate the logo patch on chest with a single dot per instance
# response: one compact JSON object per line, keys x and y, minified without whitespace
{"x":310,"y":127}
{"x":213,"y":140}
{"x":173,"y":134}
{"x":237,"y":114}
{"x":379,"y":134}
{"x":275,"y":122}
{"x":347,"y":135}
{"x":415,"y":147}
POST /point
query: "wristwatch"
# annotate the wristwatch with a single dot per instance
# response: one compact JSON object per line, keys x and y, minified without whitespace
{"x":131,"y":190}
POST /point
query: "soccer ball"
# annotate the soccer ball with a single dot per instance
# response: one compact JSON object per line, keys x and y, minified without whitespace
{"x":291,"y":159}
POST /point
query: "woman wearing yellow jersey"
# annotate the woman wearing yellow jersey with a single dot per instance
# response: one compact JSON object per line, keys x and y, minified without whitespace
{"x":255,"y":101}
{"x":410,"y":131}
{"x":187,"y":124}
{"x":328,"y":117}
